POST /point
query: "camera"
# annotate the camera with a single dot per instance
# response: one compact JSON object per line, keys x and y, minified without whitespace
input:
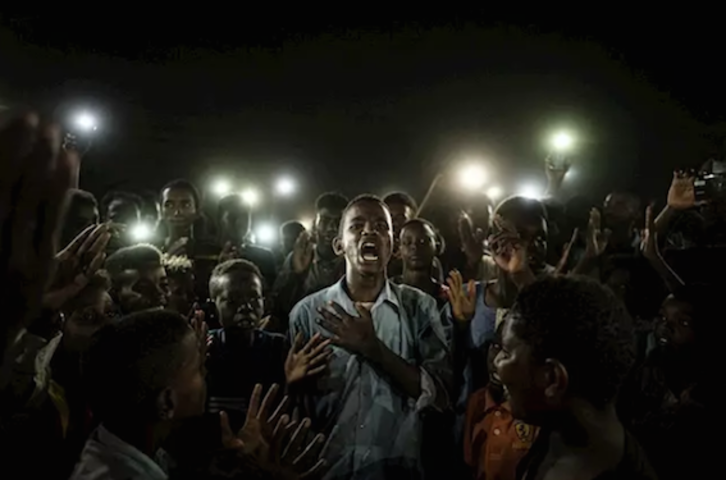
{"x":710,"y":185}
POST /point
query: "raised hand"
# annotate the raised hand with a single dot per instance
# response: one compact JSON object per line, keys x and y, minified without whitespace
{"x":229,"y":252}
{"x":307,"y":360}
{"x":76,"y":264}
{"x":463,"y":301}
{"x":597,"y":239}
{"x":196,"y":319}
{"x":508,"y":250}
{"x":562,"y":264}
{"x":355,"y":334}
{"x":472,"y":242}
{"x":682,"y":194}
{"x":302,"y":252}
{"x":278,"y":444}
{"x":35,"y":174}
{"x":648,"y":243}
{"x":257,"y":433}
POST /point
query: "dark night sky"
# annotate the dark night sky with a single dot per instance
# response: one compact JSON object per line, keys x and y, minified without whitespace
{"x":358,"y":105}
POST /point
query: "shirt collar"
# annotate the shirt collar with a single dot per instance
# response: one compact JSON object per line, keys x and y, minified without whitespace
{"x":389,"y":295}
{"x":131,"y":454}
{"x":490,"y":404}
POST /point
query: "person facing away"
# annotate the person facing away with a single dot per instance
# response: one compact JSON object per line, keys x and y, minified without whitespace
{"x":389,"y":357}
{"x":138,"y":279}
{"x":313,"y":264}
{"x":494,"y":441}
{"x":144,"y":377}
{"x":241,"y":354}
{"x":567,"y":346}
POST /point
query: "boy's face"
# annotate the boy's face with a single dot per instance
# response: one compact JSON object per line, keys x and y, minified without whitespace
{"x":240,"y":301}
{"x":418,"y":246}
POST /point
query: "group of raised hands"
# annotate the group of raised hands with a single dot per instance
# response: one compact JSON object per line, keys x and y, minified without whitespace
{"x":280,"y":443}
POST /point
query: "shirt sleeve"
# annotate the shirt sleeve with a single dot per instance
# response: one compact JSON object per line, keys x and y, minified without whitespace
{"x":299,"y":322}
{"x":435,"y":355}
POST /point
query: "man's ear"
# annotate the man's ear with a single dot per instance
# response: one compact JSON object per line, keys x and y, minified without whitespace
{"x":338,"y":246}
{"x":165,"y":404}
{"x":556,"y":380}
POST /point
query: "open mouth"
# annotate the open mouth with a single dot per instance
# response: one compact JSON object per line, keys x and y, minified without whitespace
{"x":243,"y":321}
{"x":369,"y":252}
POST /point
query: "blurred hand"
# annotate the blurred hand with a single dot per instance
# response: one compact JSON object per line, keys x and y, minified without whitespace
{"x":35,"y":174}
{"x":279,"y":444}
{"x":597,"y":239}
{"x":472,"y":242}
{"x":463,"y":301}
{"x":196,"y":319}
{"x":76,"y":264}
{"x":562,"y":264}
{"x":682,"y":194}
{"x":648,"y":243}
{"x":229,"y":252}
{"x":508,"y":251}
{"x":302,"y":252}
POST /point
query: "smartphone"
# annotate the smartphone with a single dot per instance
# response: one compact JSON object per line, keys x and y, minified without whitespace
{"x":708,"y":186}
{"x":557,"y":162}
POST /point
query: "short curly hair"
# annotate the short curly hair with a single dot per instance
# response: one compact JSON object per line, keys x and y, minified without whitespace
{"x":229,"y":267}
{"x":131,"y":361}
{"x":581,"y":323}
{"x":401,"y":198}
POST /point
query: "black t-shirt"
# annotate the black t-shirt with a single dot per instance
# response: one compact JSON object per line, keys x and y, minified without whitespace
{"x":233,"y":371}
{"x":633,"y":466}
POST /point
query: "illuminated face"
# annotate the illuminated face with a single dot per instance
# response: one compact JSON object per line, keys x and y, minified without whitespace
{"x":366,"y":238}
{"x":179,"y":207}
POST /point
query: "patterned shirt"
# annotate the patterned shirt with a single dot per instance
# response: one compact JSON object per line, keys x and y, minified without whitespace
{"x":375,"y":431}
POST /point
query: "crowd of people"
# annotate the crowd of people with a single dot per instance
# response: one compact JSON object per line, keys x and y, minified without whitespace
{"x":532,"y":339}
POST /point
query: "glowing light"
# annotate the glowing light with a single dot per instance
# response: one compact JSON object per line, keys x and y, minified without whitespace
{"x":141,"y":232}
{"x":495,"y":192}
{"x":307,"y":222}
{"x":250,"y":197}
{"x":221,"y":188}
{"x":530,"y":191}
{"x":472,"y":177}
{"x":86,"y":122}
{"x":266,"y":234}
{"x":285,"y":187}
{"x":562,"y":142}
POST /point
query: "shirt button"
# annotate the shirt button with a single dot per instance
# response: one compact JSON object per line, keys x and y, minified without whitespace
{"x":497,"y":431}
{"x":497,"y":413}
{"x":361,"y":426}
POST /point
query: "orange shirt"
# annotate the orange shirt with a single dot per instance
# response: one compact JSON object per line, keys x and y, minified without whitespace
{"x":494,"y":442}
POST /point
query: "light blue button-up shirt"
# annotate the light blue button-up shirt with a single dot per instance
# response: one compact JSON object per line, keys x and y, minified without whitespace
{"x":375,"y":429}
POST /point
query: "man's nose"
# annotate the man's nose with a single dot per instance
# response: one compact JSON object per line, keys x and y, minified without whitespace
{"x":368,"y":229}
